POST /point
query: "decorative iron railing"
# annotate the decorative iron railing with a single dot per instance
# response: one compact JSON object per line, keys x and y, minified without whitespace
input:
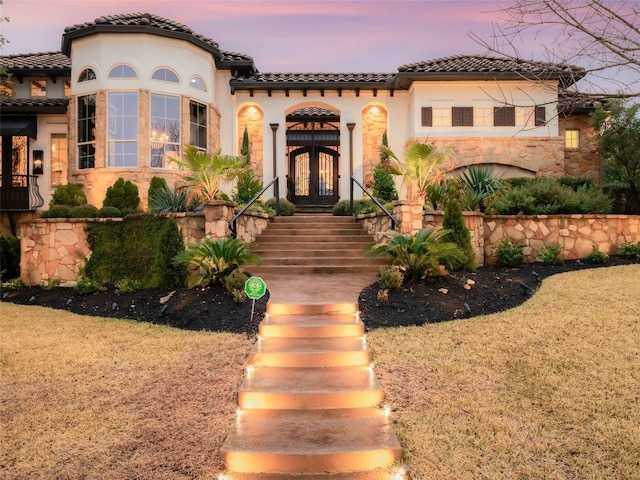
{"x":394,"y":220}
{"x":276,"y":192}
{"x":21,"y":194}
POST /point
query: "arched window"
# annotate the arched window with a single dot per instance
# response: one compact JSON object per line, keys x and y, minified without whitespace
{"x":197,"y":82}
{"x":122,"y":71}
{"x":165,"y":75}
{"x":86,"y":75}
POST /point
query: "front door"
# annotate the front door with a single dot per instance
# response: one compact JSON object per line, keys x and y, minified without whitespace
{"x":314,"y":175}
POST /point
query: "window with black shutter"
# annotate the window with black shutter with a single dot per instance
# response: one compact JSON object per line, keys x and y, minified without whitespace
{"x":541,"y":116}
{"x":504,"y":116}
{"x":427,"y":116}
{"x":462,"y":116}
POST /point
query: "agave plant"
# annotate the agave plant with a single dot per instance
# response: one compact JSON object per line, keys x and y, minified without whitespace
{"x":422,"y":165}
{"x":480,"y":183}
{"x":208,"y":173}
{"x":420,"y":255}
{"x":210,"y":261}
{"x":165,"y":200}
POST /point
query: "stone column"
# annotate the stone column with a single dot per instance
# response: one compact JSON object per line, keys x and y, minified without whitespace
{"x":217,"y":215}
{"x":409,"y":213}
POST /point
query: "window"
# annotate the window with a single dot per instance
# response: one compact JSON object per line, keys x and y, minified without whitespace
{"x":572,"y":139}
{"x":483,"y":116}
{"x":441,"y":117}
{"x":198,"y":124}
{"x":427,"y":116}
{"x":122,"y":146}
{"x":504,"y":116}
{"x":462,"y":116}
{"x":541,"y":116}
{"x":86,"y":75}
{"x":165,"y":129}
{"x":197,"y":82}
{"x":58,"y":159}
{"x":165,"y":75}
{"x":38,"y":88}
{"x":122,"y":71}
{"x":87,"y":131}
{"x":67,"y":88}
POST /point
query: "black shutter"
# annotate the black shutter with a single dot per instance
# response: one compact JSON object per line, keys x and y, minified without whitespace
{"x":541,"y":116}
{"x":427,"y":116}
{"x":504,"y":116}
{"x":462,"y":116}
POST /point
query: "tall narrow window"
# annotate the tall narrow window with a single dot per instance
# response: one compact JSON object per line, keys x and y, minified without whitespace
{"x":87,"y":131}
{"x":462,"y":116}
{"x":572,"y":139}
{"x":123,"y":129}
{"x":38,"y":88}
{"x":58,"y":159}
{"x":504,"y":116}
{"x":165,"y":129}
{"x":67,"y":88}
{"x":541,"y":116}
{"x":427,"y":116}
{"x":198,"y":124}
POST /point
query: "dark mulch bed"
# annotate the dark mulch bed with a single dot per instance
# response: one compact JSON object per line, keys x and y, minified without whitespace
{"x":213,"y":309}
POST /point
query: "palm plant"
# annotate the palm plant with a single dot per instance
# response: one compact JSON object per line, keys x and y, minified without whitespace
{"x":209,"y":172}
{"x":210,"y":261}
{"x":420,"y":255}
{"x":422,"y":165}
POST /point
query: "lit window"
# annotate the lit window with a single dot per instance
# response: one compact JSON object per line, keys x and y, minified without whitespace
{"x":197,"y":82}
{"x":67,"y":88}
{"x":165,"y":75}
{"x":38,"y":88}
{"x":572,"y":139}
{"x":524,"y":116}
{"x":483,"y":116}
{"x":165,"y":129}
{"x":86,"y":75}
{"x":441,"y":117}
{"x":122,"y":71}
{"x":86,"y":131}
{"x":58,"y":159}
{"x":198,"y":124}
{"x":123,"y":129}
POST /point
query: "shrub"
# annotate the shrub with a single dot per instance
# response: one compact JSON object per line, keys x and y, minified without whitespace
{"x":286,"y":207}
{"x":247,"y":187}
{"x":480,"y":183}
{"x":234,"y":285}
{"x":9,"y":257}
{"x":16,"y":284}
{"x":87,"y":285}
{"x":551,"y":255}
{"x":50,"y":284}
{"x":164,"y":200}
{"x":127,"y":285}
{"x":454,"y":222}
{"x":57,"y":211}
{"x":391,"y":278}
{"x":421,"y":254}
{"x":210,"y":261}
{"x":441,"y":192}
{"x":384,"y":187}
{"x":84,"y":211}
{"x":122,"y":195}
{"x":508,"y":254}
{"x":628,"y":249}
{"x":342,"y":208}
{"x":109,"y":212}
{"x":156,"y":184}
{"x":70,"y":195}
{"x":596,"y":256}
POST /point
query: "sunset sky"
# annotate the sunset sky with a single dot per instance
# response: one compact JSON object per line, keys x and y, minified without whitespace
{"x":284,"y":36}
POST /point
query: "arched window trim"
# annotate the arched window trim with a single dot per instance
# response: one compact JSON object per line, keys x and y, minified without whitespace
{"x":198,"y":83}
{"x":124,"y":71}
{"x":87,"y":75}
{"x":166,"y":78}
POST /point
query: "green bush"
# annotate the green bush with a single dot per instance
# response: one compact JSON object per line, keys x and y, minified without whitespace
{"x":164,"y":200}
{"x":84,"y":211}
{"x":286,"y":207}
{"x":57,"y":211}
{"x":359,"y":207}
{"x":551,"y":255}
{"x":440,"y":193}
{"x":384,"y":186}
{"x":156,"y":184}
{"x":122,"y":195}
{"x":247,"y":187}
{"x":391,"y":278}
{"x":140,"y":248}
{"x":508,"y":254}
{"x":70,"y":195}
{"x":9,"y":257}
{"x":109,"y":212}
{"x":234,"y":285}
{"x":628,"y":249}
{"x":85,"y":286}
{"x":596,"y":256}
{"x":460,"y":235}
{"x":127,"y":285}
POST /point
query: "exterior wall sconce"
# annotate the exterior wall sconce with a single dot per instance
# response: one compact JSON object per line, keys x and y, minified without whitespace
{"x":38,"y":162}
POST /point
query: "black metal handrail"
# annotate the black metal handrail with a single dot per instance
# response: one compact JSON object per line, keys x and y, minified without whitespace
{"x":276,"y":192}
{"x":394,"y":220}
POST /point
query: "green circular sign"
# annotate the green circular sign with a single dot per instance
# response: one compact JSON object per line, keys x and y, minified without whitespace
{"x":255,"y":288}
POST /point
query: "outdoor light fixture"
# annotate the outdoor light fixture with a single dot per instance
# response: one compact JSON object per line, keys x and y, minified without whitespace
{"x":38,"y":162}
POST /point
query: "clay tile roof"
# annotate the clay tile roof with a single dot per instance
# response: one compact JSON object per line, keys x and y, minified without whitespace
{"x":312,"y":112}
{"x":44,"y":61}
{"x":321,"y":77}
{"x":34,"y":105}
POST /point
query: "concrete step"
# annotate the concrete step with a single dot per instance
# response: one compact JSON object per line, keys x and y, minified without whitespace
{"x":299,"y":388}
{"x":310,"y":441}
{"x":312,"y":309}
{"x":311,"y":352}
{"x":305,"y":226}
{"x":331,"y":259}
{"x":315,"y":219}
{"x":318,"y":244}
{"x":311,"y":326}
{"x":266,"y":269}
{"x":275,"y":249}
{"x":287,"y":236}
{"x":377,"y":474}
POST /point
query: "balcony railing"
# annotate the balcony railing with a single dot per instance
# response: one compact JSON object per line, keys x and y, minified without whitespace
{"x":22,"y":194}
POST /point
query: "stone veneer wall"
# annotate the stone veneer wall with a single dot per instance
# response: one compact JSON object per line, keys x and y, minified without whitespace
{"x":376,"y":224}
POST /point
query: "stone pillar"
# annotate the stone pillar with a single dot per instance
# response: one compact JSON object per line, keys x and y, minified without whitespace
{"x":217,"y":215}
{"x":409,"y":214}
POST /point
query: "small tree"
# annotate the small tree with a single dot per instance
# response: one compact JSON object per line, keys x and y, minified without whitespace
{"x":384,"y":187}
{"x":122,"y":195}
{"x":460,"y":235}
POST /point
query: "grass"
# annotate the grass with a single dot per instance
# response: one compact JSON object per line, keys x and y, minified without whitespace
{"x":549,"y":390}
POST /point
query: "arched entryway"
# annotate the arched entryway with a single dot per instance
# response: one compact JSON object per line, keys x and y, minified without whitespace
{"x":313,"y":152}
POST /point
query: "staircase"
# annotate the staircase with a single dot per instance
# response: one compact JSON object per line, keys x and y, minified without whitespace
{"x":309,"y":406}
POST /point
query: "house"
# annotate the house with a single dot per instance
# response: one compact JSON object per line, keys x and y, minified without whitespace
{"x":126,"y":92}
